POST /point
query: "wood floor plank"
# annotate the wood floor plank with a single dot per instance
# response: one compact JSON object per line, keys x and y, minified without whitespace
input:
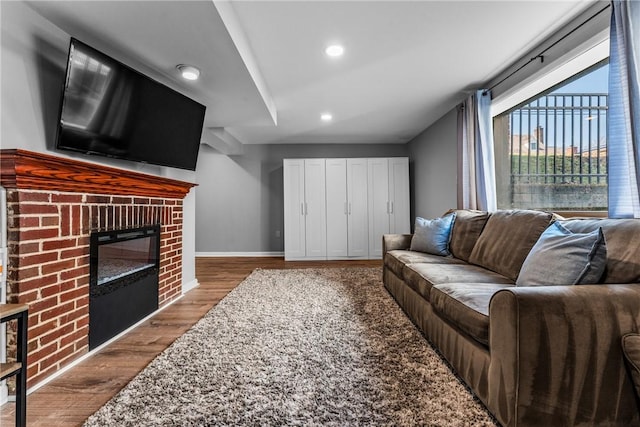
{"x":68,"y":400}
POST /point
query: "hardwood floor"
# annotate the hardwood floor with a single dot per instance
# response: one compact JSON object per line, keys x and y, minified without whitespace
{"x":69,"y":399}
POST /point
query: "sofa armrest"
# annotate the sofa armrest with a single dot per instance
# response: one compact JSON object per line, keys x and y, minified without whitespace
{"x":556,"y":356}
{"x":391,"y":242}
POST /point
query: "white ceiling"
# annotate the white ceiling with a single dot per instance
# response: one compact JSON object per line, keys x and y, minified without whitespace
{"x":406,"y":63}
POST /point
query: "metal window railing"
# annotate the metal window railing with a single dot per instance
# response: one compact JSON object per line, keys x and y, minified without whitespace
{"x":560,"y":139}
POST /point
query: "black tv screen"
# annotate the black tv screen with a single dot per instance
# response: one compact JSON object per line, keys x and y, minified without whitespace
{"x":111,"y":110}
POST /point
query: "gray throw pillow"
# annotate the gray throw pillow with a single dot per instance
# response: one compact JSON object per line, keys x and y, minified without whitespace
{"x":561,"y":257}
{"x":433,"y":235}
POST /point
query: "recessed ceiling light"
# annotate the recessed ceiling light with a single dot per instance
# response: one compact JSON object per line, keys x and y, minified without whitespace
{"x":334,"y":50}
{"x":326,"y":117}
{"x":188,"y":72}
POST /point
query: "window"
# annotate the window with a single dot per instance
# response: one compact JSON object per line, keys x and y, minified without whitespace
{"x":551,"y":151}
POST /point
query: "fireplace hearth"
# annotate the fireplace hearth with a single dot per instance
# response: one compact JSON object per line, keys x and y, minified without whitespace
{"x":123,"y":283}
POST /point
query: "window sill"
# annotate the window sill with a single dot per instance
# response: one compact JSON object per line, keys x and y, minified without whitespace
{"x":582,"y":214}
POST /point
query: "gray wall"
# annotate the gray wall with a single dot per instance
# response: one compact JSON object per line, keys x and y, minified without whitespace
{"x":34,"y":56}
{"x":433,"y":155}
{"x":239,"y":199}
{"x":237,"y":206}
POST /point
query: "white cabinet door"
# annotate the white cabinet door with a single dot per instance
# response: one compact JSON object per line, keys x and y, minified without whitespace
{"x":378,"y":202}
{"x":358,"y":219}
{"x":294,"y":218}
{"x":399,"y":198}
{"x":336,"y":171}
{"x":315,"y":209}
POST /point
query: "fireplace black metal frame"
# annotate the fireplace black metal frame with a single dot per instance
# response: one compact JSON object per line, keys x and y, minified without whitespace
{"x":120,"y":303}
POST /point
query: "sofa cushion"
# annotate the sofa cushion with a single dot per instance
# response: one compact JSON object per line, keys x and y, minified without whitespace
{"x":623,"y":246}
{"x":432,"y":235}
{"x":631,"y":350}
{"x":421,"y":277}
{"x":466,"y":305}
{"x":507,"y":239}
{"x":396,"y":260}
{"x":561,"y":257}
{"x":466,"y":229}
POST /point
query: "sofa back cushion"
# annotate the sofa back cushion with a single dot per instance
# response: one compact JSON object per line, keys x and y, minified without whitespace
{"x":466,"y":229}
{"x":507,"y":239}
{"x":623,"y":246}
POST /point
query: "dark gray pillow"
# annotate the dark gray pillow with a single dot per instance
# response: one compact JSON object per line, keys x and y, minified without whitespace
{"x":433,"y":235}
{"x":561,"y":257}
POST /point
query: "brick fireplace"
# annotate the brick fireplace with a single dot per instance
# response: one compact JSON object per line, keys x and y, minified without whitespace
{"x":53,"y":205}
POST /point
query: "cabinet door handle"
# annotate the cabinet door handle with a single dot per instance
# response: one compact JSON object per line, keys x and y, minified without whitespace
{"x":349,"y":208}
{"x":301,"y":208}
{"x":391,"y":211}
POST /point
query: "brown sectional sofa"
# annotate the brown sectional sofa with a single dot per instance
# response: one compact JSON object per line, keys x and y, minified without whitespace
{"x":536,"y":356}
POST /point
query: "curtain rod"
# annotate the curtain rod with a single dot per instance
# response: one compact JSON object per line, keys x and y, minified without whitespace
{"x":541,"y":54}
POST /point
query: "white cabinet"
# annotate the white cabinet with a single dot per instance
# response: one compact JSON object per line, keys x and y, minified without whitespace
{"x":357,"y":208}
{"x":304,"y":209}
{"x":294,"y":219}
{"x":346,"y":194}
{"x":315,"y":210}
{"x":339,"y":208}
{"x":378,"y":191}
{"x":399,"y":198}
{"x":388,"y":205}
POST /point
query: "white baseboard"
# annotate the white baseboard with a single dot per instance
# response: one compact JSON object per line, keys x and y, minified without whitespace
{"x":186,"y":287}
{"x":97,"y":349}
{"x":238,"y":254}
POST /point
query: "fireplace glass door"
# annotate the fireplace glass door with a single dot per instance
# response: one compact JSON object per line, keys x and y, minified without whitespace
{"x":124,"y":273}
{"x":120,"y":258}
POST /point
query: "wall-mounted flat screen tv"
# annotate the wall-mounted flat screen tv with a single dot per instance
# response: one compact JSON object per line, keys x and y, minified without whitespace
{"x":109,"y":109}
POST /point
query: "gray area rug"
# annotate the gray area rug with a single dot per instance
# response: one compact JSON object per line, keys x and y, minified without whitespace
{"x":305,"y":347}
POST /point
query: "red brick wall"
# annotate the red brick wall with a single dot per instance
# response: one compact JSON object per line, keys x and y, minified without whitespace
{"x":48,"y":264}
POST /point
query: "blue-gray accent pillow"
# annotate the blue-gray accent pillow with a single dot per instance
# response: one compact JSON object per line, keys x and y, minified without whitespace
{"x":561,"y":257}
{"x":433,"y":235}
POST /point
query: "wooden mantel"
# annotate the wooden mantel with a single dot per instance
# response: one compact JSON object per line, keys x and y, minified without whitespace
{"x":23,"y":169}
